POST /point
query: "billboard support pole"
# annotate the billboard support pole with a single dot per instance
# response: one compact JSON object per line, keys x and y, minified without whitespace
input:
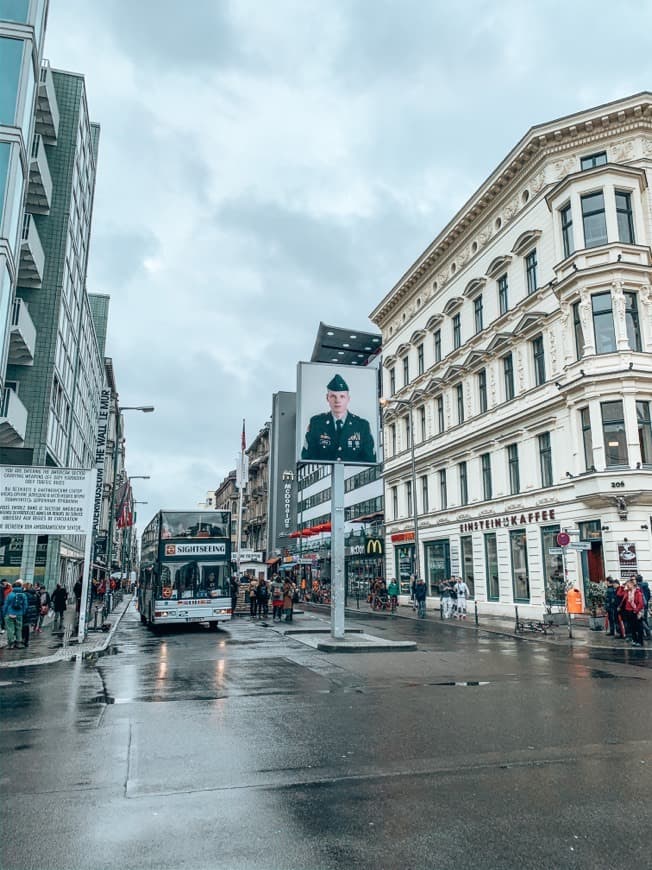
{"x":86,"y":579}
{"x":337,"y":552}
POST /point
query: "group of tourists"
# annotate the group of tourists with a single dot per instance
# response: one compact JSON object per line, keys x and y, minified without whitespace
{"x":281,"y":593}
{"x":25,"y":607}
{"x":627,"y":607}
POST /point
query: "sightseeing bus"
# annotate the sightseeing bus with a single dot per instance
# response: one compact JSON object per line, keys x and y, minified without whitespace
{"x":185,"y":568}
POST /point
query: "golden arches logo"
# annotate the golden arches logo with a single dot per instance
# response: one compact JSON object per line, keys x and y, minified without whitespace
{"x":375,"y":546}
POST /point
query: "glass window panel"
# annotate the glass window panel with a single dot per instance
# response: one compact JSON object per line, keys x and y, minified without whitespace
{"x":567,"y":230}
{"x":644,"y":431}
{"x":502,"y":294}
{"x":464,"y":485}
{"x":438,"y":564}
{"x":405,"y":566}
{"x":467,"y":564}
{"x":11,"y":56}
{"x":443,"y":491}
{"x":420,"y":359}
{"x":14,"y":10}
{"x":520,"y":576}
{"x":613,"y":430}
{"x":491,"y":563}
{"x":440,"y":414}
{"x":625,"y":217}
{"x":514,"y":472}
{"x":553,"y":567}
{"x":5,"y":154}
{"x":531,"y":271}
{"x":587,"y":438}
{"x":603,"y":323}
{"x":482,"y":390}
{"x":545,"y":459}
{"x":631,"y":321}
{"x":594,"y":219}
{"x":487,"y":487}
{"x":438,"y":345}
{"x":593,"y":160}
{"x":577,"y":331}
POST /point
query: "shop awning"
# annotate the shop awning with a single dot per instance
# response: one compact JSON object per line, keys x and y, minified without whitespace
{"x":376,"y":517}
{"x":287,"y":565}
{"x":273,"y":560}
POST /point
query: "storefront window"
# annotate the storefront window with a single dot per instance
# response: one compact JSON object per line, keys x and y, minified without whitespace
{"x":553,"y":567}
{"x":467,"y":564}
{"x":404,"y":566}
{"x":438,"y":564}
{"x":520,"y":576}
{"x":491,"y":562}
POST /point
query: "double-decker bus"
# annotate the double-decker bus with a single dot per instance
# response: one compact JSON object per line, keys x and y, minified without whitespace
{"x":185,"y":568}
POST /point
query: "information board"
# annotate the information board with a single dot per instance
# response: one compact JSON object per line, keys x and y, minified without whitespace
{"x":46,"y":501}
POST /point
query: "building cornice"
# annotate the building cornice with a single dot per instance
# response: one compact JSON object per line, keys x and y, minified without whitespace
{"x":539,"y":142}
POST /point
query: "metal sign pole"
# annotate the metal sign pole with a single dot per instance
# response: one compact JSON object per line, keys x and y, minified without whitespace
{"x":337,"y":552}
{"x":81,"y":634}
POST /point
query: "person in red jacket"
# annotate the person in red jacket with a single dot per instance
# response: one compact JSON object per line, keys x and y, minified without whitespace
{"x":633,"y":605}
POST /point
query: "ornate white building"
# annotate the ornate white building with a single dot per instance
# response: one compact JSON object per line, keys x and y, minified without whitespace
{"x":521,"y":342}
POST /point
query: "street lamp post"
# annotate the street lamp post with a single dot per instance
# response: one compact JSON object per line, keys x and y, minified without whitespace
{"x":415,"y":509}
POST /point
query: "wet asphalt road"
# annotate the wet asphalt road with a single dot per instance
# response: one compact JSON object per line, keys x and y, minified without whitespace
{"x":246,"y":749}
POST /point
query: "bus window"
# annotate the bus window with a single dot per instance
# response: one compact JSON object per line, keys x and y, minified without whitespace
{"x":213,"y":581}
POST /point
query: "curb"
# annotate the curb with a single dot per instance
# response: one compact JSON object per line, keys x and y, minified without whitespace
{"x":75,"y":650}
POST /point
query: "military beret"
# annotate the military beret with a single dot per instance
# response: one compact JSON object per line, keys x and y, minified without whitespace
{"x":337,"y":385}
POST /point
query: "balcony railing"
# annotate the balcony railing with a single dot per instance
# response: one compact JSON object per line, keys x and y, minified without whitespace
{"x":32,"y":256}
{"x":47,"y":108}
{"x":13,"y":419}
{"x":39,"y":189}
{"x":22,"y":336}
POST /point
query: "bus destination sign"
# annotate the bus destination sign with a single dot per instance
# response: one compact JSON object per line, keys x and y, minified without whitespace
{"x":196,"y":549}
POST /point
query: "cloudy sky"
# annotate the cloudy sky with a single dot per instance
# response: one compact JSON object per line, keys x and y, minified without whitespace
{"x":267,"y":164}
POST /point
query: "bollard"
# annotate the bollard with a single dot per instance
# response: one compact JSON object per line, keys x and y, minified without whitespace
{"x":441,"y":609}
{"x":357,"y":598}
{"x":516,"y":624}
{"x":475,"y":608}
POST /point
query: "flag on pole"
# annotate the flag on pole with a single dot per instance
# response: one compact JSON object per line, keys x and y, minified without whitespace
{"x":244,"y":440}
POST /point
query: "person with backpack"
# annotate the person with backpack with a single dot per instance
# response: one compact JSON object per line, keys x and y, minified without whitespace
{"x":31,"y":614}
{"x":14,"y":610}
{"x":59,"y":598}
{"x":262,"y":597}
{"x":420,"y":592}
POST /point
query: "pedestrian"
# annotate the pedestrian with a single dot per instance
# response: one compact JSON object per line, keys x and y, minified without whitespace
{"x":644,"y":586}
{"x":392,"y":591}
{"x":262,"y":599}
{"x":77,"y":592}
{"x":31,"y":614}
{"x":59,"y":599}
{"x":288,"y":594}
{"x":44,"y":607}
{"x":234,"y":588}
{"x":14,"y":609}
{"x":277,"y":598}
{"x":253,"y":598}
{"x":633,"y":607}
{"x":446,"y":598}
{"x":462,"y":592}
{"x":4,"y":591}
{"x":420,"y":592}
{"x":611,"y":603}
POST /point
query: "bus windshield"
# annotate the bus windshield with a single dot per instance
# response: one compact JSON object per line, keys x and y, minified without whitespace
{"x":202,"y":524}
{"x":181,"y":580}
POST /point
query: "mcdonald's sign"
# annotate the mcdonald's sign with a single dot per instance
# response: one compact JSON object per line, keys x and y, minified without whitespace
{"x":374,"y":547}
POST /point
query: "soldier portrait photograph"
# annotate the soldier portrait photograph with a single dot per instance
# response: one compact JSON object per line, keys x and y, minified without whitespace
{"x":338,"y":434}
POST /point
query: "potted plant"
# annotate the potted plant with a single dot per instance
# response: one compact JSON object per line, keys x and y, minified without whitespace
{"x":595,"y":598}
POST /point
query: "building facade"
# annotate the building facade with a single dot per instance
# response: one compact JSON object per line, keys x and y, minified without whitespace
{"x":225,"y":498}
{"x":52,"y":360}
{"x":254,"y":516}
{"x":520,"y":345}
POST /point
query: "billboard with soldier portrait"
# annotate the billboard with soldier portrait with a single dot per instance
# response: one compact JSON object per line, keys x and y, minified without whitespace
{"x":337,"y":414}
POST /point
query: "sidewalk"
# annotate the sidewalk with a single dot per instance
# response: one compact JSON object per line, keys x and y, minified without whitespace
{"x":49,"y":646}
{"x":500,"y":625}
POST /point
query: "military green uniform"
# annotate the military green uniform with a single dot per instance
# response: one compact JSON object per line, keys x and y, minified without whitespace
{"x":327,"y":441}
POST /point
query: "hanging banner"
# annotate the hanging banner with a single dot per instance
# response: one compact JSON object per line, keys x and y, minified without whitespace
{"x":46,"y":501}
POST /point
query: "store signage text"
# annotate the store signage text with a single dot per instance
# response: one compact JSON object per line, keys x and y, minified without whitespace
{"x":509,"y":520}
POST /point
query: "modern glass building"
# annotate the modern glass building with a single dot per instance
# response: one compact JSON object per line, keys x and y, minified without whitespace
{"x":52,"y":362}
